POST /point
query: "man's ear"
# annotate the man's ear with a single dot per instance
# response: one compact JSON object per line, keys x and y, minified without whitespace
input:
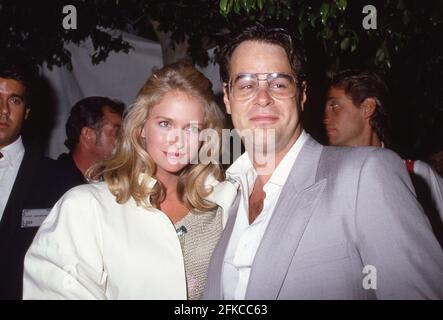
{"x":226,"y":98}
{"x":87,"y":136}
{"x":304,"y":95}
{"x":27,"y":113}
{"x":369,"y":105}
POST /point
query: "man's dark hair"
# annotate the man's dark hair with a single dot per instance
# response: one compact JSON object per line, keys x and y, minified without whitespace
{"x":261,"y":33}
{"x":88,"y":112}
{"x":360,"y":85}
{"x":14,"y":66}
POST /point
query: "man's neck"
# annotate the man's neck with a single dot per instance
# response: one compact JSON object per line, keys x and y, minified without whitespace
{"x":16,"y":141}
{"x":368,"y":138}
{"x":265,"y":164}
{"x":375,"y":141}
{"x":82,"y":161}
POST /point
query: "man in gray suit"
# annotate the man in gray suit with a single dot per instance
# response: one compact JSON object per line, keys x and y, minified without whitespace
{"x":306,"y":221}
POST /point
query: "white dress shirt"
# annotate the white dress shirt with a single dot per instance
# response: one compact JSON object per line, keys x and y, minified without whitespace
{"x":9,"y":165}
{"x":246,"y":238}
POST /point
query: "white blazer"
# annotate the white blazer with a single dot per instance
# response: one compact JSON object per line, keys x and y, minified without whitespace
{"x":91,"y":247}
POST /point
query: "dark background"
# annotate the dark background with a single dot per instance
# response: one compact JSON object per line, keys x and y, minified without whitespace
{"x":406,"y":48}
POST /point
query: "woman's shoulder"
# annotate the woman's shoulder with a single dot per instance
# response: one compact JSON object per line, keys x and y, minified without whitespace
{"x":96,"y":190}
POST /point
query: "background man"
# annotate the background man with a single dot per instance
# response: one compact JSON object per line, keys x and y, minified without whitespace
{"x":357,"y":115}
{"x":91,"y":131}
{"x":308,"y":228}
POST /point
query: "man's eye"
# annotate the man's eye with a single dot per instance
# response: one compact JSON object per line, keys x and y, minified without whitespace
{"x":278,"y":85}
{"x":16,"y":100}
{"x":245,"y":85}
{"x":334,"y":106}
{"x":164,"y":124}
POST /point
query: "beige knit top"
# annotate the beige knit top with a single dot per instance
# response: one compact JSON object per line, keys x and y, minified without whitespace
{"x":198,"y":234}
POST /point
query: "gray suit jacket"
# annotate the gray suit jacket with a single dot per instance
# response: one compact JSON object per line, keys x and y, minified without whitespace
{"x":340,"y":210}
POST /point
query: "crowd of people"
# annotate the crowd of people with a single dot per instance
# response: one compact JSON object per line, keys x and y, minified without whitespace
{"x":142,"y":208}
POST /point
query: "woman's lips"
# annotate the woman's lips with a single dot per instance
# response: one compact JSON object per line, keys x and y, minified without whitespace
{"x":174,"y":155}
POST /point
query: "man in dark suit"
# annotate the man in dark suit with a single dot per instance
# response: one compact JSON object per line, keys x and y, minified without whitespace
{"x":24,"y":195}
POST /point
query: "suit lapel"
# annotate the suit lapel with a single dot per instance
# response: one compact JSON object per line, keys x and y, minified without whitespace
{"x":11,"y":219}
{"x":289,"y":220}
{"x":213,"y":289}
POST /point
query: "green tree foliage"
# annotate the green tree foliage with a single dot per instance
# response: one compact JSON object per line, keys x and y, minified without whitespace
{"x":405,"y":46}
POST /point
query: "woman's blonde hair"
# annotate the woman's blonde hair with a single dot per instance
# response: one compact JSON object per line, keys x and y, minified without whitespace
{"x":130,"y":168}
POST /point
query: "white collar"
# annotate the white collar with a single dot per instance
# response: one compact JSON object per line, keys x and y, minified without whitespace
{"x":210,"y":182}
{"x":225,"y":192}
{"x":281,"y":172}
{"x":12,"y":151}
{"x":243,"y":165}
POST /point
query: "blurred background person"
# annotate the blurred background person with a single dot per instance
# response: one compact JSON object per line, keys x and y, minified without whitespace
{"x":91,"y":131}
{"x":357,"y":115}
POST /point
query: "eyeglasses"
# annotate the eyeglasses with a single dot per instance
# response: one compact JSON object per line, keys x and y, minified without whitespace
{"x":280,"y":85}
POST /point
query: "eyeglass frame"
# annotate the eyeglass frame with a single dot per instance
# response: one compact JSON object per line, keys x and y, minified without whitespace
{"x":290,"y":75}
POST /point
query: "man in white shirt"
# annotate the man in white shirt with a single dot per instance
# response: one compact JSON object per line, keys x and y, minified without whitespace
{"x":357,"y":115}
{"x":22,"y":195}
{"x":308,"y":220}
{"x":11,"y":145}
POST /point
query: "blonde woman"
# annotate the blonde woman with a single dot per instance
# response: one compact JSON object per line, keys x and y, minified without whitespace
{"x":147,"y":231}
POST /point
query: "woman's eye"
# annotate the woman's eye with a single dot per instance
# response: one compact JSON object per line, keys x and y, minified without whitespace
{"x":164,"y":124}
{"x":193,"y":129}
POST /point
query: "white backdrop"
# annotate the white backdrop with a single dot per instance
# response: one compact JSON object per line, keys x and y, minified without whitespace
{"x":119,"y":77}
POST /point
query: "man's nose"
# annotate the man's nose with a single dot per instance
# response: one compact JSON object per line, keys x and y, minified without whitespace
{"x":325,"y":120}
{"x":263,"y":98}
{"x":326,"y":117}
{"x":4,"y":107}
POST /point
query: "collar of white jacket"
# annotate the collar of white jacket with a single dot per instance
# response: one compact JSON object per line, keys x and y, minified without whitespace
{"x":222,"y":193}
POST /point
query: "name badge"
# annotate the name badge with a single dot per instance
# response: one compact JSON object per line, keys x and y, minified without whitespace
{"x":34,"y":217}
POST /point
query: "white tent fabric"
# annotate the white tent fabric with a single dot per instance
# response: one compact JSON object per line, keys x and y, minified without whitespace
{"x":119,"y":77}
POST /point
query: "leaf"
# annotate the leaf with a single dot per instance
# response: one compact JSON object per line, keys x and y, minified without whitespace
{"x":223,"y":7}
{"x":250,"y":5}
{"x":342,"y":4}
{"x":237,"y":6}
{"x":312,"y":17}
{"x":301,"y":26}
{"x":379,"y":55}
{"x":244,"y":4}
{"x":260,"y":4}
{"x":341,"y":30}
{"x":344,"y":44}
{"x":229,"y":6}
{"x":324,"y":11}
{"x":388,"y":63}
